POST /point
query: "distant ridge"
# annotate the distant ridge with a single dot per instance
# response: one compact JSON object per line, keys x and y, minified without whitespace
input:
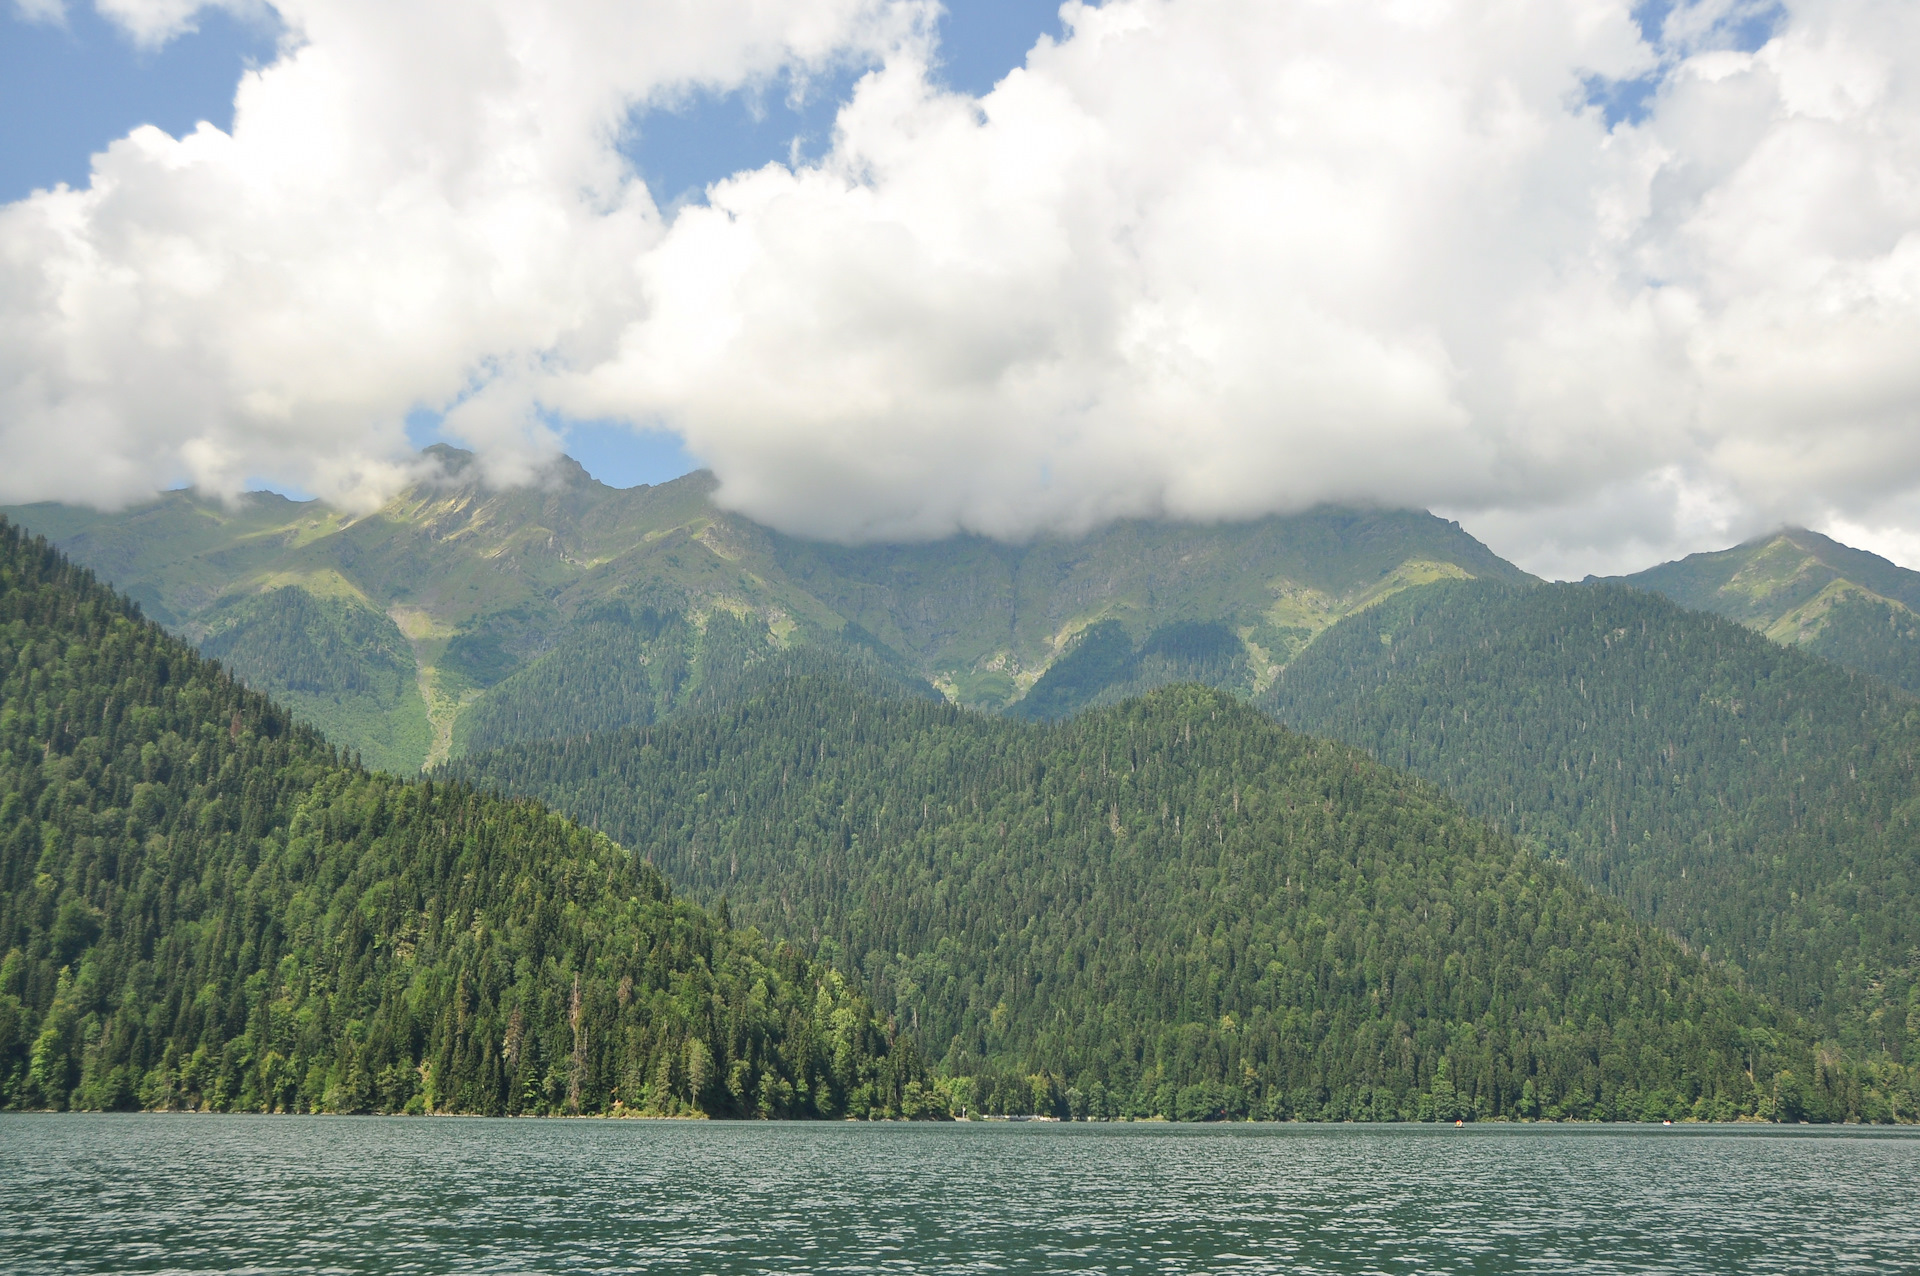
{"x":460,"y":616}
{"x":1801,"y":588}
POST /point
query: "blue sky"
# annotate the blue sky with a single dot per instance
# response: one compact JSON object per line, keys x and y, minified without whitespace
{"x":680,"y":152}
{"x":66,"y":91}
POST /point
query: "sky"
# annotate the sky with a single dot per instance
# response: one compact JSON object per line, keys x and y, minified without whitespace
{"x":1606,"y":282}
{"x":73,"y":80}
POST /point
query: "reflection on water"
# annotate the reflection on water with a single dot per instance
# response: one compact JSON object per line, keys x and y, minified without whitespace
{"x":392,"y":1194}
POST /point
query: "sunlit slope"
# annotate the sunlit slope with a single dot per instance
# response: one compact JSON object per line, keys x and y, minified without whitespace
{"x":334,"y":662}
{"x":986,"y":620}
{"x":1758,"y":802}
{"x":459,"y":616}
{"x":1805,"y":589}
{"x":1175,"y":906}
{"x":457,"y":612}
{"x":202,"y":906}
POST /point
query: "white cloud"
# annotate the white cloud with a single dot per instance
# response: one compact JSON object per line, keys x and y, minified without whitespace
{"x":50,"y":12}
{"x":1217,"y":258}
{"x":154,"y":22}
{"x":419,"y":205}
{"x":1618,"y":528}
{"x":1202,"y":257}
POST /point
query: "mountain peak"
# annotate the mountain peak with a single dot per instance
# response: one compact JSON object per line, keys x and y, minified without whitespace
{"x":1803,"y":588}
{"x":453,"y":460}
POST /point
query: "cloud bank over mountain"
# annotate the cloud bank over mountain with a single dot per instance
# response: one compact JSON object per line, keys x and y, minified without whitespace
{"x":1203,"y":258}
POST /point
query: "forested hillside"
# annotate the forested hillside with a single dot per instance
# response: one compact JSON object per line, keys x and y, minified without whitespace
{"x":1756,"y":801}
{"x":202,"y":905}
{"x":1176,"y":907}
{"x":1804,"y":589}
{"x":1169,"y":907}
{"x":627,"y":667}
{"x":334,"y":663}
{"x":1102,"y":666}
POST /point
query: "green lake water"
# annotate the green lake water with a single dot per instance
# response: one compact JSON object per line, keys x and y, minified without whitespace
{"x":143,"y":1193}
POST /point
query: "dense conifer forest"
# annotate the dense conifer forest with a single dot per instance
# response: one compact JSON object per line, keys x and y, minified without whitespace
{"x":1757,"y":801}
{"x":1167,"y":908}
{"x":1804,"y":589}
{"x":202,"y":905}
{"x":1175,"y":907}
{"x":635,"y":665}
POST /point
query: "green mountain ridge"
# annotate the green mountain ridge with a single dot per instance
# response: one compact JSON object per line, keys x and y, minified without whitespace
{"x":484,"y":616}
{"x":1804,"y":589}
{"x":1176,"y":907}
{"x":461,"y":621}
{"x":1754,"y":800}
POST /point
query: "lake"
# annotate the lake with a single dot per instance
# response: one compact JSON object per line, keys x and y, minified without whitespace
{"x":151,"y":1193}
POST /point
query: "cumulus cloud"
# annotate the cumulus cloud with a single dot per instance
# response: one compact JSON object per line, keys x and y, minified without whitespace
{"x":1211,"y":259}
{"x":154,"y":22}
{"x":1200,"y":258}
{"x":51,"y":12}
{"x":420,"y":206}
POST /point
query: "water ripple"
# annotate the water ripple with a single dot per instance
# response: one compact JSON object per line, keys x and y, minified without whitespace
{"x":178,"y":1194}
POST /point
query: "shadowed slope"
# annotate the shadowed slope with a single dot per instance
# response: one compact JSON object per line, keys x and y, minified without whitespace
{"x":1754,"y":800}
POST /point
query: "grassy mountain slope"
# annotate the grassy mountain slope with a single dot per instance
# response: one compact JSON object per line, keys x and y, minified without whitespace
{"x":1758,"y":802}
{"x":505,"y":604}
{"x":335,"y":662}
{"x":201,"y":906}
{"x":985,"y":620}
{"x":1175,"y":906}
{"x":1801,"y":588}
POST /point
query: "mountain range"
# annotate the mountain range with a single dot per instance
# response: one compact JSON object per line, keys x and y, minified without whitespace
{"x":1172,"y":908}
{"x":1688,"y":792}
{"x":458,"y":617}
